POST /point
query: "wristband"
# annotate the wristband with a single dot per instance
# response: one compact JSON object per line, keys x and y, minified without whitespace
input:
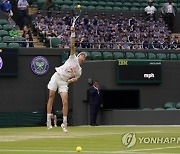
{"x":73,"y":34}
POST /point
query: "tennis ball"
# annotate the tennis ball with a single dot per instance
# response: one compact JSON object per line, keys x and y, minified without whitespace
{"x":78,"y":149}
{"x":78,"y":6}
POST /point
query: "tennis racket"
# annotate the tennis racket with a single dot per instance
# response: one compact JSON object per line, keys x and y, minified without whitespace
{"x":76,"y":12}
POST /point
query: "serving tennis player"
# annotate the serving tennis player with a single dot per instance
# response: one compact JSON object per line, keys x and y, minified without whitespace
{"x":69,"y":72}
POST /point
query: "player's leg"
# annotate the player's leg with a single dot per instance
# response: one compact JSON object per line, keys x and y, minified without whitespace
{"x":64,"y":97}
{"x":49,"y":107}
{"x":55,"y":121}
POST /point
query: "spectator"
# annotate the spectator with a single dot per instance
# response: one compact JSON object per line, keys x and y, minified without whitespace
{"x":176,"y":43}
{"x":49,"y":17}
{"x":136,"y":44}
{"x":23,"y":12}
{"x":156,"y":45}
{"x":169,"y":10}
{"x":166,"y":44}
{"x":146,"y":43}
{"x":26,"y":30}
{"x":150,"y":10}
{"x":28,"y":43}
{"x":125,"y":44}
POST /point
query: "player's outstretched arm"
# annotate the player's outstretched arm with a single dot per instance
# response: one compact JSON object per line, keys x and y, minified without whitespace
{"x":72,"y":41}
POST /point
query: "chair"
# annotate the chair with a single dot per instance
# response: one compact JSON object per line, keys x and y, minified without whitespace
{"x":124,"y":8}
{"x":68,"y":2}
{"x":13,"y":45}
{"x":19,"y":38}
{"x":161,"y":56}
{"x":3,"y":33}
{"x":134,"y":9}
{"x":101,"y":3}
{"x":129,"y":55}
{"x":3,"y":45}
{"x":108,"y":8}
{"x":107,"y":55}
{"x":59,"y":2}
{"x":127,"y":4}
{"x":86,"y":3}
{"x":0,"y":27}
{"x":90,"y":7}
{"x":55,"y":42}
{"x":140,"y":55}
{"x":111,"y":4}
{"x":117,"y":4}
{"x":178,"y":105}
{"x":136,"y":4}
{"x":7,"y":27}
{"x":116,"y":8}
{"x":118,"y":55}
{"x":151,"y":56}
{"x":64,"y":7}
{"x":3,"y":21}
{"x":7,"y":39}
{"x":100,"y":8}
{"x":88,"y":55}
{"x":95,"y":55}
{"x":169,"y":105}
{"x":173,"y":56}
{"x":93,"y":3}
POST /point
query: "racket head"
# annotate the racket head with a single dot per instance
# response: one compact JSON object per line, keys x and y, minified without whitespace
{"x":76,"y":12}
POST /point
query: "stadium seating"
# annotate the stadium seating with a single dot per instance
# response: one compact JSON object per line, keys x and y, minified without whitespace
{"x":95,"y":55}
{"x":173,"y":56}
{"x":178,"y":105}
{"x":169,"y":105}
{"x":140,"y":55}
{"x":118,"y":55}
{"x":3,"y":45}
{"x":13,"y":45}
{"x":162,"y":56}
{"x":130,"y":55}
{"x":7,"y":27}
{"x":3,"y":21}
{"x":7,"y":39}
{"x":3,"y":33}
{"x":151,"y":56}
{"x":107,"y":55}
{"x":55,"y":42}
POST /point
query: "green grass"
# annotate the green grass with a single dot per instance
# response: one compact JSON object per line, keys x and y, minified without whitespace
{"x":105,"y":140}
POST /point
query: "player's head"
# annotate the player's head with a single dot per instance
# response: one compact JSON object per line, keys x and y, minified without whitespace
{"x":82,"y":57}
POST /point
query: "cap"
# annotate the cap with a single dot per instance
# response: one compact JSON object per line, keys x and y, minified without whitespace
{"x":67,"y":12}
{"x":58,"y":12}
{"x":82,"y":53}
{"x":38,"y":12}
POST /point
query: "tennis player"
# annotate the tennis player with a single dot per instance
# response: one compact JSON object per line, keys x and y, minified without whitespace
{"x":69,"y":72}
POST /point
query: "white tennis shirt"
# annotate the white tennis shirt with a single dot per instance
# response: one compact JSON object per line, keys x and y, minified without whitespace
{"x":70,"y":68}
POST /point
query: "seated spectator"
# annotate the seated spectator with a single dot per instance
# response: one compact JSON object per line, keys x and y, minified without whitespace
{"x":28,"y":41}
{"x":84,"y":42}
{"x":176,"y":43}
{"x":125,"y":44}
{"x":166,"y":44}
{"x":150,"y":10}
{"x":26,"y":30}
{"x":156,"y":45}
{"x":146,"y":43}
{"x":136,"y":44}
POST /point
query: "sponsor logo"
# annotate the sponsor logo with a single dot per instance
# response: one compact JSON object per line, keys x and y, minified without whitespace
{"x":40,"y":65}
{"x":129,"y":140}
{"x":1,"y":63}
{"x":151,"y":75}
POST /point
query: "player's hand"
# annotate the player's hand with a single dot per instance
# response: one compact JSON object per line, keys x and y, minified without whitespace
{"x":72,"y":29}
{"x":72,"y":80}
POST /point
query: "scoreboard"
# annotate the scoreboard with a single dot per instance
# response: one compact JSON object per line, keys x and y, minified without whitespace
{"x":8,"y":62}
{"x":132,"y":71}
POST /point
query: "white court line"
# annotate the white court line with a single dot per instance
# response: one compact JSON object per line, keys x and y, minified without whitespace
{"x":138,"y":150}
{"x":63,"y":151}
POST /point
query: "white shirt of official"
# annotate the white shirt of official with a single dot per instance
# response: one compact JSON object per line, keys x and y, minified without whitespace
{"x":150,"y":9}
{"x":70,"y":68}
{"x":169,"y":8}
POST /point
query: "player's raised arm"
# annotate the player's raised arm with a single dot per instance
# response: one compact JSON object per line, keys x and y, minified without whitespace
{"x":72,"y":41}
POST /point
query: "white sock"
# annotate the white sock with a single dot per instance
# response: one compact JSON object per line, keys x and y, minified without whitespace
{"x":65,"y":119}
{"x":48,"y":117}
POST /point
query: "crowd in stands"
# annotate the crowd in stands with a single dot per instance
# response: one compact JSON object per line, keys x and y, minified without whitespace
{"x":99,"y":32}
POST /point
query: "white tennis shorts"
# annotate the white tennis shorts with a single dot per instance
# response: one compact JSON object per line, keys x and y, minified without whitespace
{"x":56,"y":82}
